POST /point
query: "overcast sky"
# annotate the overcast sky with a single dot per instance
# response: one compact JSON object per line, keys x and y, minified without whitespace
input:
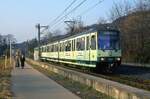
{"x":19,"y":17}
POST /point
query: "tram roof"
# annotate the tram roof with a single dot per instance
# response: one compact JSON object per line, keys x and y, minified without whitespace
{"x":86,"y":30}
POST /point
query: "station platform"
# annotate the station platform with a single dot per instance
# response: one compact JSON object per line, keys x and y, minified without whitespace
{"x":28,"y":83}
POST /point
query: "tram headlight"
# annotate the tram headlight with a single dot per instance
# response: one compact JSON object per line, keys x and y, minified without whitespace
{"x":118,"y":59}
{"x":102,"y":59}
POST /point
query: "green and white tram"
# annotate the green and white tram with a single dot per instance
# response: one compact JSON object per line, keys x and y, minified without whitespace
{"x":98,"y":49}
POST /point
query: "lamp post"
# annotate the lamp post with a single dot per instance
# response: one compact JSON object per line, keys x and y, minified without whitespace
{"x":39,"y":27}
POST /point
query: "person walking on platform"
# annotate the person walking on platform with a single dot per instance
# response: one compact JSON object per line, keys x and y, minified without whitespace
{"x":17,"y":63}
{"x":22,"y":60}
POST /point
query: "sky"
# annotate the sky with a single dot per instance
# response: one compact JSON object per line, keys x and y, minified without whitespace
{"x":19,"y":17}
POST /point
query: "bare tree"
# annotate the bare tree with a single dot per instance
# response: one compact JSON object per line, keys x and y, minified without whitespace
{"x":142,"y":5}
{"x":102,"y":20}
{"x":11,"y":38}
{"x":134,"y":26}
{"x":119,"y":10}
{"x":74,"y":26}
{"x":4,"y":43}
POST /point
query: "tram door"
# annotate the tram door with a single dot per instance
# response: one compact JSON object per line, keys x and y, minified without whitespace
{"x":93,"y":47}
{"x":87,"y":48}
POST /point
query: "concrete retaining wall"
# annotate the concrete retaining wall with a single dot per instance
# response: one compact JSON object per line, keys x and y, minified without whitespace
{"x":111,"y":88}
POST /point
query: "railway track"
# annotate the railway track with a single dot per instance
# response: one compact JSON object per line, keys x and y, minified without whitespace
{"x":129,"y":77}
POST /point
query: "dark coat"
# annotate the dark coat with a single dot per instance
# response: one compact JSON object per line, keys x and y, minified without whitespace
{"x":22,"y":60}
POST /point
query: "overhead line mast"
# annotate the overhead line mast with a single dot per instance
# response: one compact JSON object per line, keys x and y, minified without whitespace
{"x":88,"y":9}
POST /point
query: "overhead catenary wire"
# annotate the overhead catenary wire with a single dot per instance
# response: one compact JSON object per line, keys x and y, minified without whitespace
{"x":87,"y":10}
{"x":60,"y":14}
{"x":91,"y":8}
{"x":63,"y":11}
{"x":75,"y":8}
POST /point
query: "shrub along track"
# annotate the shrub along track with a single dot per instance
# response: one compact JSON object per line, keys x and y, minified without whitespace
{"x":5,"y":83}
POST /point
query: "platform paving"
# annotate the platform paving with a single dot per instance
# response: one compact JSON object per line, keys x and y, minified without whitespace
{"x":28,"y":83}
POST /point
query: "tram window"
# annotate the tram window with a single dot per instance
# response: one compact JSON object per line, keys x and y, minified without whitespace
{"x":49,"y":48}
{"x":52,"y":48}
{"x":93,"y":42}
{"x":65,"y":46}
{"x":72,"y":46}
{"x":60,"y":47}
{"x":55,"y":48}
{"x":87,"y":43}
{"x":44,"y":49}
{"x":41,"y":49}
{"x":68,"y":46}
{"x":80,"y":44}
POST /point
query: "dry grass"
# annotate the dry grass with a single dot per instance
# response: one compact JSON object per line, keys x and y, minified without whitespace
{"x":5,"y":74}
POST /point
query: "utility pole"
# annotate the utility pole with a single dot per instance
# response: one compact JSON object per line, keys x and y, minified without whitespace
{"x":38,"y":26}
{"x":10,"y":50}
